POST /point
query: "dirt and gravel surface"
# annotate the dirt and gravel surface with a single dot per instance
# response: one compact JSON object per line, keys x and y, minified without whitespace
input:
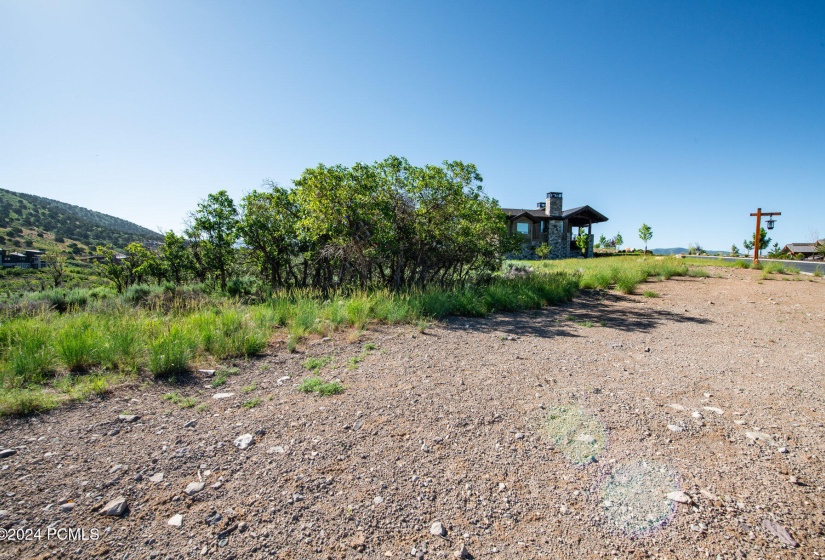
{"x":685,"y":426}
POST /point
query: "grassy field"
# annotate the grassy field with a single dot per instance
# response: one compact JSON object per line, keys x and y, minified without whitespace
{"x":622,"y":273}
{"x":60,"y":345}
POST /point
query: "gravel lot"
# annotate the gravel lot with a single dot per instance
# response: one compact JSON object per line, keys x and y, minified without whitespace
{"x":684,"y":426}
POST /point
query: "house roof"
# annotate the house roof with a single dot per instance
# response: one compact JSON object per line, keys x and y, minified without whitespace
{"x":534,"y":215}
{"x":800,"y":248}
{"x":580,"y":216}
{"x":583,"y":215}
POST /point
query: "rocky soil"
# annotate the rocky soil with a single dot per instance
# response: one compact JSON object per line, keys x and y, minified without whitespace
{"x":685,"y":426}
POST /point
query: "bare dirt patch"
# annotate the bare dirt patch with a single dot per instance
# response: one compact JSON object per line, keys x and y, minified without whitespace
{"x":688,"y":425}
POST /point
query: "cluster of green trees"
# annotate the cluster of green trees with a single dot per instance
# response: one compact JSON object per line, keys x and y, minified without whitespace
{"x":612,"y":243}
{"x":386,"y":225}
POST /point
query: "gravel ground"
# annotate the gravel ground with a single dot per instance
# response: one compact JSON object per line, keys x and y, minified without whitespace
{"x":684,"y":426}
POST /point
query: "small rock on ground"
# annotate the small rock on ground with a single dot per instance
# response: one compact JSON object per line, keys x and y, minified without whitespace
{"x":194,"y":488}
{"x":244,"y":441}
{"x":779,"y":532}
{"x":462,"y":552}
{"x":438,"y":529}
{"x":680,"y":497}
{"x":115,"y":508}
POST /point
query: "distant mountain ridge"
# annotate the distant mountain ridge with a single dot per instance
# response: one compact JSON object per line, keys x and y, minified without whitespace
{"x":31,"y":221}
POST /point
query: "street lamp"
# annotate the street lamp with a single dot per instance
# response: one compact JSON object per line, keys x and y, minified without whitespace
{"x":757,"y":240}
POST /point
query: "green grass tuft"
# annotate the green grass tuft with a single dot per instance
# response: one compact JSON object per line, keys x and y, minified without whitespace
{"x":222,"y":376}
{"x":22,"y":402}
{"x":180,"y":400}
{"x":252,"y":403}
{"x":698,"y":273}
{"x":314,"y":364}
{"x":317,"y":385}
{"x":171,"y":352}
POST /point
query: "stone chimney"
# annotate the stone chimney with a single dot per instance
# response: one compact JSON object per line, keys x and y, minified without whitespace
{"x":552,"y":206}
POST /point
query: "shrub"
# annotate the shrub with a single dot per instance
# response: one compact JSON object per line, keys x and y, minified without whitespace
{"x":243,"y":287}
{"x":137,"y":293}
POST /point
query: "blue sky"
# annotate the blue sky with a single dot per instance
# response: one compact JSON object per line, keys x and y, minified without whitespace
{"x":684,"y":115}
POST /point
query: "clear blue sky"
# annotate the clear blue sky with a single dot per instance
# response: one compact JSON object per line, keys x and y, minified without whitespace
{"x":685,"y":115}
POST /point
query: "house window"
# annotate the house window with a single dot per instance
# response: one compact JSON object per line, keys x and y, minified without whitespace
{"x":523,"y":228}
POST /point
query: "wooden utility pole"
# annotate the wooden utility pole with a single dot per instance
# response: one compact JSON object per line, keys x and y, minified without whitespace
{"x":757,"y":240}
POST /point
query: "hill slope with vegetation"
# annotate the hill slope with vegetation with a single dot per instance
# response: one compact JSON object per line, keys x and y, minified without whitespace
{"x":34,"y":222}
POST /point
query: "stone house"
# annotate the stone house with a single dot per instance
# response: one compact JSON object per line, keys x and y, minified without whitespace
{"x":550,"y":223}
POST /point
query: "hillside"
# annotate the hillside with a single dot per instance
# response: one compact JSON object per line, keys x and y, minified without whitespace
{"x":29,"y":221}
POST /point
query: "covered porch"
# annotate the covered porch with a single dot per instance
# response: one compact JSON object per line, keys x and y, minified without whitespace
{"x":581,"y":217}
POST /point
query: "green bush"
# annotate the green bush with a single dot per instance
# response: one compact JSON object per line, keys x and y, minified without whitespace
{"x":244,"y":287}
{"x":138,"y":293}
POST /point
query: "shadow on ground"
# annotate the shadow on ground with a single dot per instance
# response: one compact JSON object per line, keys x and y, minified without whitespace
{"x":592,"y":308}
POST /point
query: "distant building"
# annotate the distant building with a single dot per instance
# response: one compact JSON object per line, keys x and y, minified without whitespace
{"x":27,"y":259}
{"x":807,"y":250}
{"x":550,"y":224}
{"x":120,"y":258}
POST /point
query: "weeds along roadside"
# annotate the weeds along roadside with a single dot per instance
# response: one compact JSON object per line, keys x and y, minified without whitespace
{"x":75,"y":349}
{"x":50,"y":354}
